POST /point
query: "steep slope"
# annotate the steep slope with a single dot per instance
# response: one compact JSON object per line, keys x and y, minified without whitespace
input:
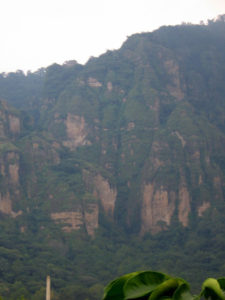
{"x":125,"y":150}
{"x":150,"y":118}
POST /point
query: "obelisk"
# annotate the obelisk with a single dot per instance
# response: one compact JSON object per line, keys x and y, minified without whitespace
{"x":48,"y":288}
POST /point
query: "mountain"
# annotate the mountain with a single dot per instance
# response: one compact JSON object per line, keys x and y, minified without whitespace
{"x":115,"y":165}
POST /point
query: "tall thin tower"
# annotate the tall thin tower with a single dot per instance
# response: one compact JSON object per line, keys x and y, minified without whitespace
{"x":48,"y":288}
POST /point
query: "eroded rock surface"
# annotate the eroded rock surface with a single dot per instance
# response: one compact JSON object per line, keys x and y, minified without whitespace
{"x":91,"y":218}
{"x":175,"y":88}
{"x":180,"y":137}
{"x":14,"y":124}
{"x":6,"y":205}
{"x":184,"y":207}
{"x":158,"y":207}
{"x":93,"y":82}
{"x":76,"y":130}
{"x":106,"y":194}
{"x":73,"y":220}
{"x":203,"y":208}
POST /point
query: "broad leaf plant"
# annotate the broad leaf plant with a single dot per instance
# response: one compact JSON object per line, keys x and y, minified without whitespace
{"x":149,"y":285}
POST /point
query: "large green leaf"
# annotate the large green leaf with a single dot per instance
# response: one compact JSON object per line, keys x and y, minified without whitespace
{"x":143,"y":284}
{"x":222,"y":283}
{"x":165,"y":289}
{"x":211,"y":289}
{"x":183,"y":292}
{"x":114,"y":290}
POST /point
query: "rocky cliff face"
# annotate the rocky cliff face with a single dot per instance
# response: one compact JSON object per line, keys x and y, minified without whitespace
{"x":136,"y":135}
{"x":10,"y":192}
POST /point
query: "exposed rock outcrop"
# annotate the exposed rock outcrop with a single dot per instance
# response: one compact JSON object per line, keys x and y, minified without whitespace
{"x":180,"y":137}
{"x":157,"y":208}
{"x":202,"y":208}
{"x":14,"y":173}
{"x":76,"y":130}
{"x":91,"y":218}
{"x":109,"y":86}
{"x":6,"y":205}
{"x":101,"y":189}
{"x":184,"y":207}
{"x":14,"y":124}
{"x":93,"y":82}
{"x":13,"y":167}
{"x":105,"y":193}
{"x":75,"y":220}
{"x":175,"y":88}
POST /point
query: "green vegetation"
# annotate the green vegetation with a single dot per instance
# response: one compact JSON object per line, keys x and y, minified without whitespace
{"x":79,"y":265}
{"x":114,"y":166}
{"x":154,"y":285}
{"x":147,"y":285}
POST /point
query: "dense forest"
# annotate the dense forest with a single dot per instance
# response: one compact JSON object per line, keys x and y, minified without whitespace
{"x":115,"y":166}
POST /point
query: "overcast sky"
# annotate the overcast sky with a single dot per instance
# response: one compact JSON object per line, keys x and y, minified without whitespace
{"x":37,"y":33}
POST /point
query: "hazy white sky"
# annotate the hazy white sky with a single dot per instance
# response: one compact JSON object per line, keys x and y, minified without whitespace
{"x":37,"y":33}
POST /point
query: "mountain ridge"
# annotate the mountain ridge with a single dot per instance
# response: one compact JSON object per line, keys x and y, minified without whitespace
{"x":146,"y":103}
{"x":130,"y":144}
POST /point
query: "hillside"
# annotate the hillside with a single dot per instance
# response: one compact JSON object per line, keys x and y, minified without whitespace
{"x":115,"y":166}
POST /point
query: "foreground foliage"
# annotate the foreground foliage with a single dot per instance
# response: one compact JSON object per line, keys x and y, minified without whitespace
{"x":148,"y":285}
